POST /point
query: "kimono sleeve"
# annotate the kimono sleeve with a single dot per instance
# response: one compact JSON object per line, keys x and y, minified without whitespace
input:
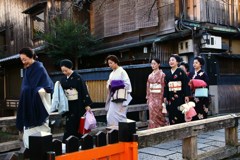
{"x":185,"y":86}
{"x":166,"y":88}
{"x":84,"y":92}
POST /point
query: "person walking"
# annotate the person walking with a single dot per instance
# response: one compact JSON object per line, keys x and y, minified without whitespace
{"x":185,"y":67}
{"x":117,"y":111}
{"x":176,"y":91}
{"x":202,"y":103}
{"x":154,"y":95}
{"x":78,"y":97}
{"x":33,"y":108}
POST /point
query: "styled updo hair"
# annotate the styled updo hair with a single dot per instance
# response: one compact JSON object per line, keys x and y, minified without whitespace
{"x":112,"y":58}
{"x":66,"y":63}
{"x":156,"y":60}
{"x":200,"y":60}
{"x":28,"y":52}
{"x":177,"y":57}
{"x":185,"y":64}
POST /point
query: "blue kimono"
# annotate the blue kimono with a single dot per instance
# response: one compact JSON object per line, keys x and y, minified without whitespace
{"x":31,"y":111}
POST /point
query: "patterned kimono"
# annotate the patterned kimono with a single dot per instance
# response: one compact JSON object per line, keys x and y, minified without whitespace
{"x":176,"y":89}
{"x":117,"y":112}
{"x":76,"y":107}
{"x":154,"y":96}
{"x":201,"y":102}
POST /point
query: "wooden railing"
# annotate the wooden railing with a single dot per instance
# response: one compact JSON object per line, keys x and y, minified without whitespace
{"x":113,"y":144}
{"x":9,"y":122}
{"x":188,"y":133}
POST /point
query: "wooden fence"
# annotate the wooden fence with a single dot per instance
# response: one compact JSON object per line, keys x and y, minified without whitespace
{"x":115,"y":144}
{"x":8,"y":124}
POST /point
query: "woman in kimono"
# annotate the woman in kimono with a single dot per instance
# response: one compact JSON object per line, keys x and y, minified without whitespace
{"x":185,"y":67}
{"x":154,"y":95}
{"x":117,"y":111}
{"x":201,"y":102}
{"x":78,"y":97}
{"x":33,"y":113}
{"x":176,"y":90}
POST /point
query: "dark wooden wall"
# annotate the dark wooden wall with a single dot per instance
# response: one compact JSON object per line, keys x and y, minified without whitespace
{"x":15,"y":23}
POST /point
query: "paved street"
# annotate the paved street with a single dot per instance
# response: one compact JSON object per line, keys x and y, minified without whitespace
{"x":173,"y":150}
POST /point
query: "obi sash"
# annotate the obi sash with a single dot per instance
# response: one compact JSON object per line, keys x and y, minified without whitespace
{"x":175,"y":86}
{"x":155,"y":88}
{"x":71,"y":94}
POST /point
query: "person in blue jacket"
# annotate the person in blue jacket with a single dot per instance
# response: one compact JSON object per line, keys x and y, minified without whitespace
{"x":32,"y":112}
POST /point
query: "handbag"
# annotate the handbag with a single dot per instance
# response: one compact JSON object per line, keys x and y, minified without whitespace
{"x":116,"y":84}
{"x":201,"y":92}
{"x":81,"y":129}
{"x":198,"y":83}
{"x":119,"y":95}
{"x":90,"y":121}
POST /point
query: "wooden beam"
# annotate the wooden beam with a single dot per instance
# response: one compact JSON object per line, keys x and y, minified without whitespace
{"x":155,"y":136}
{"x":231,"y":136}
{"x":189,"y":148}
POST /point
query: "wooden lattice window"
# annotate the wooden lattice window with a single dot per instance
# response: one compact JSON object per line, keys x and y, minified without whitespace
{"x":38,"y":23}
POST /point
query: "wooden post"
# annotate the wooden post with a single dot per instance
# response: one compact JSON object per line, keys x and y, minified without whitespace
{"x":51,"y":155}
{"x":189,"y":148}
{"x":143,"y":116}
{"x":231,"y":136}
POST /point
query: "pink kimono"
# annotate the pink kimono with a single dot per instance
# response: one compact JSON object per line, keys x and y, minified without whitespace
{"x":155,"y":90}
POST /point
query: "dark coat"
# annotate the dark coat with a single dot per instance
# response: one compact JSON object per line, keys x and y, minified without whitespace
{"x":31,"y":111}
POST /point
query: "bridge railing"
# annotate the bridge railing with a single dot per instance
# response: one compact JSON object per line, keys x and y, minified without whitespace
{"x":7,"y":124}
{"x":188,"y":133}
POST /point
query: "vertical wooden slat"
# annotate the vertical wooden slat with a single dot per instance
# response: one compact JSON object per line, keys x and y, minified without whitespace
{"x":166,"y":16}
{"x":146,"y":16}
{"x":189,"y":148}
{"x":97,"y":90}
{"x":111,"y":15}
{"x":231,"y":136}
{"x":127,"y":13}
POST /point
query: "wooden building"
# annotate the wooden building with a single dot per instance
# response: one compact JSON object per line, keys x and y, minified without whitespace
{"x":135,"y":31}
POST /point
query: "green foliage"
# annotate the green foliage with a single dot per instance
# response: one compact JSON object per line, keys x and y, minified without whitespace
{"x":69,"y":39}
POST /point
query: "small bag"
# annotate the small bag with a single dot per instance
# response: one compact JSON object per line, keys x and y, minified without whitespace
{"x":197,"y":83}
{"x":81,"y":128}
{"x":189,"y":114}
{"x":90,"y":121}
{"x":117,"y":84}
{"x":201,"y":92}
{"x":119,"y":95}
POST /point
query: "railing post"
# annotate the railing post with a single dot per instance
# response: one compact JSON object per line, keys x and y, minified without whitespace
{"x":143,"y":116}
{"x":231,"y":136}
{"x":189,"y":148}
{"x":51,"y":155}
